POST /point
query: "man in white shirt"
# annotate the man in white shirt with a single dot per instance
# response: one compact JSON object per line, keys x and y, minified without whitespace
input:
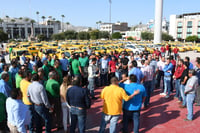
{"x":92,"y":73}
{"x":159,"y":71}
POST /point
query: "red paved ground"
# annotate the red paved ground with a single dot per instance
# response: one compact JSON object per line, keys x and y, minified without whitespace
{"x":162,"y":116}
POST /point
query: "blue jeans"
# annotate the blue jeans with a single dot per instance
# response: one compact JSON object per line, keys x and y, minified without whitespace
{"x":167,"y":84}
{"x":182,"y":90}
{"x":113,"y":122}
{"x":190,"y":101}
{"x":34,"y":118}
{"x":79,"y":115}
{"x":148,"y":88}
{"x":177,"y":86}
{"x":43,"y":112}
{"x":118,"y":75}
{"x":91,"y":86}
{"x":127,"y":115}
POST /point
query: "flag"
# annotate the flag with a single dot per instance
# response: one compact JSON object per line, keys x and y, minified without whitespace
{"x":110,"y":1}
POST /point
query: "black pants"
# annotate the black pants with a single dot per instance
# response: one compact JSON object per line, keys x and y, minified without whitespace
{"x":64,"y":73}
{"x":160,"y":76}
{"x":112,"y":74}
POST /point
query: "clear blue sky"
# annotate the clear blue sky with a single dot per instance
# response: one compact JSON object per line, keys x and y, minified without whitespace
{"x":88,"y":12}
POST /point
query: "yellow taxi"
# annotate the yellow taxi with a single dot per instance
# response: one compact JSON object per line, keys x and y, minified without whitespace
{"x":197,"y":48}
{"x":18,"y":52}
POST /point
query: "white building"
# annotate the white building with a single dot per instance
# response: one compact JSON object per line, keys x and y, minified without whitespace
{"x":20,"y":28}
{"x":134,"y":34}
{"x":184,"y":25}
{"x":114,"y":27}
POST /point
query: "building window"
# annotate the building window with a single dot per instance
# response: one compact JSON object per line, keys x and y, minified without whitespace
{"x":198,"y":35}
{"x":189,"y":23}
{"x":189,"y":35}
{"x":179,"y":30}
{"x":199,"y":24}
{"x":180,"y":24}
{"x":189,"y":29}
{"x":198,"y":30}
{"x":179,"y":35}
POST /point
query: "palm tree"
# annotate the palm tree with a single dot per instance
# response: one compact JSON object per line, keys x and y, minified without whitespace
{"x":32,"y":26}
{"x":1,"y":21}
{"x":43,"y":17}
{"x":38,"y":17}
{"x":26,"y":20}
{"x":67,"y":24}
{"x":97,"y":24}
{"x":7,"y":17}
{"x":62,"y":22}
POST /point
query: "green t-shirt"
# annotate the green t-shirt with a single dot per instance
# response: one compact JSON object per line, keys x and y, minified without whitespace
{"x":75,"y":67}
{"x":59,"y":71}
{"x":52,"y":62}
{"x":84,"y":61}
{"x":53,"y":88}
{"x":46,"y":71}
{"x":2,"y":107}
{"x":33,"y":72}
{"x":18,"y":80}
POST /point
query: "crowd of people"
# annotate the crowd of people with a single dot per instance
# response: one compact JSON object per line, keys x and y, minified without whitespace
{"x":56,"y":93}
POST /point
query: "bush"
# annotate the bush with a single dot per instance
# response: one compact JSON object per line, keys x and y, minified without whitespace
{"x":192,"y":39}
{"x":116,"y":35}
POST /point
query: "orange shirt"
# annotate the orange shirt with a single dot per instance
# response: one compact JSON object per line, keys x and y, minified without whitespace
{"x":113,"y":96}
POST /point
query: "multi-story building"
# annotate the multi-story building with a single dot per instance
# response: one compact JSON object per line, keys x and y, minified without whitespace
{"x":184,"y":25}
{"x":114,"y":27}
{"x":23,"y":28}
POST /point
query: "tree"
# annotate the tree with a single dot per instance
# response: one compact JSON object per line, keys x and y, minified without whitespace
{"x":104,"y":34}
{"x":43,"y":17}
{"x":32,"y":27}
{"x":70,"y":34}
{"x":83,"y":35}
{"x":1,"y":21}
{"x":38,"y":16}
{"x":13,"y":20}
{"x":191,"y":38}
{"x":62,"y":22}
{"x":130,"y":38}
{"x":167,"y":37}
{"x":116,"y":35}
{"x":27,"y":19}
{"x":147,"y":36}
{"x":94,"y":34}
{"x":59,"y":36}
{"x":3,"y":36}
{"x":41,"y":37}
{"x":67,"y":24}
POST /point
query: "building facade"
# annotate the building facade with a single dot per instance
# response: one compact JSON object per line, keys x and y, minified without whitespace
{"x":114,"y":27}
{"x":184,"y":25}
{"x":24,"y":28}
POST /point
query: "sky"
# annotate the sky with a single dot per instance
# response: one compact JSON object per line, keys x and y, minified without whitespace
{"x":88,"y":12}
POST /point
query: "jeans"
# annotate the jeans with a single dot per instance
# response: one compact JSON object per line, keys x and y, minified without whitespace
{"x":167,"y":84}
{"x":182,"y":90}
{"x":190,"y":101}
{"x":175,"y":56}
{"x":113,"y":123}
{"x":104,"y":79}
{"x":66,"y":115}
{"x":127,"y":115}
{"x":153,"y":82}
{"x":118,"y":75}
{"x":79,"y":115}
{"x":91,"y":86}
{"x":33,"y":116}
{"x":147,"y":85}
{"x":158,"y":78}
{"x":197,"y":98}
{"x":177,"y":86}
{"x":43,"y":112}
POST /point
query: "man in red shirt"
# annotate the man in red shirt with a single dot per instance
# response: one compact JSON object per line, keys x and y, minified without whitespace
{"x":112,"y":67}
{"x":163,"y":50}
{"x":176,"y":50}
{"x":177,"y":75}
{"x":158,"y":53}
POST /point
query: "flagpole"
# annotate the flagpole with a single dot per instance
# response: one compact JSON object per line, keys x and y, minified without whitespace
{"x":110,"y":13}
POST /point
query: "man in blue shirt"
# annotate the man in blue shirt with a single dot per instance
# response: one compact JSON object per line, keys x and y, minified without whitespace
{"x":4,"y":87}
{"x":65,"y":65}
{"x":167,"y":77}
{"x":187,"y":59}
{"x":136,"y":71}
{"x":131,"y":108}
{"x":18,"y":112}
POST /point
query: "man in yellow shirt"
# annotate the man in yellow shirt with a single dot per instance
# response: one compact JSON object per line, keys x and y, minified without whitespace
{"x":113,"y":97}
{"x":25,"y":82}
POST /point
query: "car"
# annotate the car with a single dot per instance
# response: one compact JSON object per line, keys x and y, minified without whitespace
{"x":197,"y":48}
{"x":16,"y":53}
{"x":135,"y":49}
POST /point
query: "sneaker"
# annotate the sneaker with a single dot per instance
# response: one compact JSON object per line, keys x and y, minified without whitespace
{"x":187,"y":119}
{"x":167,"y":96}
{"x":162,"y":94}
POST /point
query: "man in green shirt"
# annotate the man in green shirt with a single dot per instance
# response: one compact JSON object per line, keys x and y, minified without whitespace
{"x":3,"y":123}
{"x":18,"y":78}
{"x":46,"y":69}
{"x":53,"y":92}
{"x":76,"y":67}
{"x":59,"y":71}
{"x":84,"y":62}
